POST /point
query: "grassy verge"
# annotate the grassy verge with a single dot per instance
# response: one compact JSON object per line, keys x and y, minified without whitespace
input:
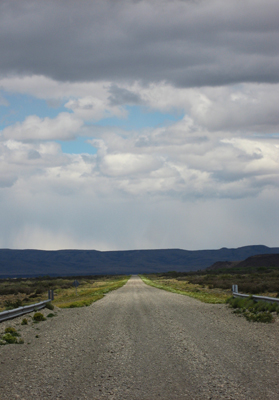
{"x":20,"y":292}
{"x":213,"y":296}
{"x":87,"y":293}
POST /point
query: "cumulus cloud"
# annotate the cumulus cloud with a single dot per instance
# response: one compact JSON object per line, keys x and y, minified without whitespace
{"x":212,"y":152}
{"x":94,"y":108}
{"x":173,"y":161}
{"x":245,"y":108}
{"x":64,"y":127}
{"x":249,"y":107}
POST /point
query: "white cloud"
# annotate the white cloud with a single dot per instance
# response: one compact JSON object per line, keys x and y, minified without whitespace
{"x":43,"y":87}
{"x":125,"y":164}
{"x":248,"y":107}
{"x":207,"y":154}
{"x":64,"y":127}
{"x":93,"y":108}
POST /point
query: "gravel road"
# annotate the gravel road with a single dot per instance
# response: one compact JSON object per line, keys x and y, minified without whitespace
{"x":142,"y":343}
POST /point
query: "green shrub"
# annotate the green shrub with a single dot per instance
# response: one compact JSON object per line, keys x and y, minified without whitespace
{"x":237,"y":303}
{"x":252,"y":310}
{"x":274,"y":308}
{"x":237,"y":311}
{"x":51,"y":315}
{"x":261,"y":317}
{"x":12,"y":331}
{"x":49,"y":306}
{"x":9,"y":338}
{"x":229,"y":299}
{"x":24,"y":321}
{"x":261,"y":306}
{"x":38,"y":317}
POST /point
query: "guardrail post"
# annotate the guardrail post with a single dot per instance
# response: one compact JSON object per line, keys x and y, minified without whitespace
{"x":235,"y":288}
{"x":50,"y":294}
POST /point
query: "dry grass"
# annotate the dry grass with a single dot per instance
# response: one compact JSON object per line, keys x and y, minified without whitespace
{"x":205,"y":294}
{"x":87,"y":293}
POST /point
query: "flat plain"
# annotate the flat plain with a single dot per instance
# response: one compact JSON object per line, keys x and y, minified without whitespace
{"x":140,"y":342}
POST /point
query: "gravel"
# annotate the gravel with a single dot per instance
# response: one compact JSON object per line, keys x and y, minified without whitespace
{"x":140,"y":342}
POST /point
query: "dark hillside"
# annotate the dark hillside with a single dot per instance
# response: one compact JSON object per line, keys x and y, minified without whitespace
{"x":24,"y":263}
{"x":260,"y":262}
{"x":257,"y":263}
{"x":222,"y":265}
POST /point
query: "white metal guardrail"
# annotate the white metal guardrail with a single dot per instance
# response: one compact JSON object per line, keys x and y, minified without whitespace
{"x":16,"y":312}
{"x":254,"y":297}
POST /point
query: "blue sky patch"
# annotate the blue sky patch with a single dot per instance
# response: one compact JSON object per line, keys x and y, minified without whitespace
{"x":141,"y":117}
{"x":77,"y":146}
{"x":22,"y":105}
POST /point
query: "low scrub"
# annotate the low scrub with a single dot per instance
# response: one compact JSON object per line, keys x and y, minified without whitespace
{"x":11,"y":304}
{"x":10,"y":337}
{"x":12,"y":331}
{"x":37,"y":317}
{"x":253,"y":311}
{"x":49,"y":306}
{"x":257,"y":281}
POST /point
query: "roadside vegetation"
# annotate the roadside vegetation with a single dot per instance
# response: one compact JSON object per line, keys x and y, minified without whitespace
{"x":183,"y":286}
{"x":20,"y":292}
{"x":11,"y":336}
{"x":214,"y":286}
{"x":260,"y":311}
{"x":263,"y":281}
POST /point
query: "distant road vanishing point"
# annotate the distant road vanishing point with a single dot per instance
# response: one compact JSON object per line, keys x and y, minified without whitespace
{"x":143,"y":343}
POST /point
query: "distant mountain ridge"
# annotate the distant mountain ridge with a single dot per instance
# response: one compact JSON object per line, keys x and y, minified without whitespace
{"x":28,"y":263}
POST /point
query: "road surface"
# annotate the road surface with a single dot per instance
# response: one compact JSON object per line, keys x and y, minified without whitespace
{"x":143,"y":343}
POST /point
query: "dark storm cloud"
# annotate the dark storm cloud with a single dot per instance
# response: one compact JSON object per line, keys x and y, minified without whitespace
{"x":120,"y":96}
{"x":185,"y":43}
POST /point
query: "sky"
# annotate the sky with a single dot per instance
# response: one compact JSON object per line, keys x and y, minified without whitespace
{"x":139,"y":124}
